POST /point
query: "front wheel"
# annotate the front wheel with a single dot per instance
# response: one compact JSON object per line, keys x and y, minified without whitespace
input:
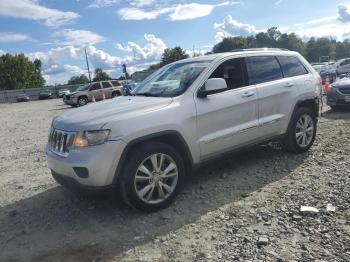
{"x":82,"y":101}
{"x":302,"y":131}
{"x":151,"y":177}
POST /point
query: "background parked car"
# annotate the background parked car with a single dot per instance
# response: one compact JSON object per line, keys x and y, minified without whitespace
{"x":339,"y":93}
{"x":45,"y":94}
{"x":343,"y":66}
{"x":98,"y":90}
{"x":330,"y":71}
{"x":23,"y":98}
{"x":63,"y":92}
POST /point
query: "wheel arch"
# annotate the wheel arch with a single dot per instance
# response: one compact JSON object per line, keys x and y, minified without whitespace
{"x":170,"y":137}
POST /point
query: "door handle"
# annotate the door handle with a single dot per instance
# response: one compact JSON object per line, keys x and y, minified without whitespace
{"x":248,"y":94}
{"x":289,"y":85}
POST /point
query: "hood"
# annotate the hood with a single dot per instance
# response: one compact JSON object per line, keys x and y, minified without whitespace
{"x":344,"y":82}
{"x":95,"y":115}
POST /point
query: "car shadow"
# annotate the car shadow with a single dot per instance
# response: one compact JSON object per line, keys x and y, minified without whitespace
{"x":58,"y":225}
{"x":339,"y":113}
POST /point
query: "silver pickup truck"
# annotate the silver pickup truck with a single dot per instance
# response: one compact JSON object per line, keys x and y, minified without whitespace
{"x":94,"y":91}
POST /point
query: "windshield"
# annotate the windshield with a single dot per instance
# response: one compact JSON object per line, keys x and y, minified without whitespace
{"x":172,"y":80}
{"x":83,"y":88}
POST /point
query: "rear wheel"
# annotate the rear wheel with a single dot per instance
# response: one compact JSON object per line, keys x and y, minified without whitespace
{"x":302,"y":131}
{"x":115,"y":94}
{"x":151,"y":177}
{"x":82,"y":101}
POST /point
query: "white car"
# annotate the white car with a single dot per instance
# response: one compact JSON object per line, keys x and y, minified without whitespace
{"x":63,"y":92}
{"x":342,"y":66}
{"x":183,"y":115}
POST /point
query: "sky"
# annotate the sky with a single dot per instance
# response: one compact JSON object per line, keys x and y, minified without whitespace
{"x":136,"y":32}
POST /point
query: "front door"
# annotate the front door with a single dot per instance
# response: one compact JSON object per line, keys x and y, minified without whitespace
{"x":96,"y":91}
{"x":228,"y":119}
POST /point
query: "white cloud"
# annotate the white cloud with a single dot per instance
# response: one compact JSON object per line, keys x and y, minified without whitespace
{"x":59,"y":69}
{"x":2,"y":52}
{"x":53,"y":60}
{"x":140,"y":3}
{"x":79,"y":37}
{"x":191,"y":11}
{"x":103,"y":3}
{"x":132,"y":13}
{"x":344,"y":13}
{"x":278,"y":2}
{"x":232,"y":27}
{"x":12,"y":37}
{"x":30,"y":9}
{"x":176,"y":12}
{"x":152,"y":51}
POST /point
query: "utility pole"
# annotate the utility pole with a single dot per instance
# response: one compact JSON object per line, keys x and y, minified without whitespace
{"x":87,"y":63}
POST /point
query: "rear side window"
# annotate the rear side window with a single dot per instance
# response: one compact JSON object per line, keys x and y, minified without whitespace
{"x":263,"y":69}
{"x":115,"y":83}
{"x":291,"y":66}
{"x":95,"y":86}
{"x":233,"y":71}
{"x":106,"y":85}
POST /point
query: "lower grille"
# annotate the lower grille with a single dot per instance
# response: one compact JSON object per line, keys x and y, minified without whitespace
{"x":344,"y":90}
{"x":60,"y":141}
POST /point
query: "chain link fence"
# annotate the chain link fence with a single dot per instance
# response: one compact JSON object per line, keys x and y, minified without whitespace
{"x":10,"y":96}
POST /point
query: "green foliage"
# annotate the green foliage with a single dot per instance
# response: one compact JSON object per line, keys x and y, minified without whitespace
{"x":77,"y":80}
{"x":231,"y":43}
{"x":173,"y":54}
{"x":18,"y":72}
{"x":100,"y":75}
{"x":273,"y":38}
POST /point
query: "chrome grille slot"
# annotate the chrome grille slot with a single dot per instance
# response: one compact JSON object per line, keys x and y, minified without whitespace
{"x":60,"y":141}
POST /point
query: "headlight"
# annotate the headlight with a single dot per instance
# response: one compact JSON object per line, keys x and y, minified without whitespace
{"x":91,"y":138}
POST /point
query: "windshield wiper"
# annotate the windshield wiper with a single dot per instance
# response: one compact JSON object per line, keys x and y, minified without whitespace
{"x":146,"y":94}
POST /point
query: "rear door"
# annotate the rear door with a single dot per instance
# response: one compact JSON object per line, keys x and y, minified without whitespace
{"x":107,"y":89}
{"x":95,"y":91}
{"x":228,"y":119}
{"x":275,"y":94}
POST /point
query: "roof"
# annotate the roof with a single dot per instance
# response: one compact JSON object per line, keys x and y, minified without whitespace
{"x":212,"y":57}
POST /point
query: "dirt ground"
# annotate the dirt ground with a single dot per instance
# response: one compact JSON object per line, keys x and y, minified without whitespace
{"x":245,"y":207}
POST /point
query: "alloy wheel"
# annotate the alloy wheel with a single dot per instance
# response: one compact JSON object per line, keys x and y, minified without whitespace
{"x":156,"y":178}
{"x":304,"y":130}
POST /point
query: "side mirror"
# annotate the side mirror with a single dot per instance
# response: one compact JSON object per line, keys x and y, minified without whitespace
{"x":212,"y":86}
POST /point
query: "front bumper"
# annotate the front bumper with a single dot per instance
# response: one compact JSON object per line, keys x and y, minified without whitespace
{"x":100,"y":161}
{"x":71,"y":101}
{"x":335,"y":98}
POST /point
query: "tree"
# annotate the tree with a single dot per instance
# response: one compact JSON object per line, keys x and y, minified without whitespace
{"x":17,"y":71}
{"x":291,"y":42}
{"x":231,"y":43}
{"x":320,"y":47}
{"x":173,"y":54}
{"x":342,"y":49}
{"x":100,"y":75}
{"x":78,"y":80}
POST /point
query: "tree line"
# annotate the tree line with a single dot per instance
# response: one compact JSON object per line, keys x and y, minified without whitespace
{"x":17,"y":71}
{"x":312,"y":50}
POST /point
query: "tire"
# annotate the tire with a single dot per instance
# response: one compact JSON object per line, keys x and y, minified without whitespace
{"x":131,"y":187}
{"x":294,"y":141}
{"x":115,"y":94}
{"x":82,"y":101}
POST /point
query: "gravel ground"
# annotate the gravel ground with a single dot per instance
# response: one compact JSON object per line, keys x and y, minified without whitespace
{"x":245,"y":207}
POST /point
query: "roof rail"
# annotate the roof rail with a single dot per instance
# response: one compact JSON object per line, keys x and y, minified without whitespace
{"x":260,"y":49}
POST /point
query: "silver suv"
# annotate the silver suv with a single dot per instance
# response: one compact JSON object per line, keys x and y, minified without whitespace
{"x":185,"y":114}
{"x":95,"y":90}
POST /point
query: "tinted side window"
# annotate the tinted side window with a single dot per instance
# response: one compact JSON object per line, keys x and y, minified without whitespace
{"x":106,"y":85}
{"x":95,"y":86}
{"x":115,"y":83}
{"x":291,"y":66}
{"x":263,"y":69}
{"x":233,"y":71}
{"x":346,"y":62}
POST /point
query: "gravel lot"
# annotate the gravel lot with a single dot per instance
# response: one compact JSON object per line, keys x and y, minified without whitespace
{"x":245,"y":207}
